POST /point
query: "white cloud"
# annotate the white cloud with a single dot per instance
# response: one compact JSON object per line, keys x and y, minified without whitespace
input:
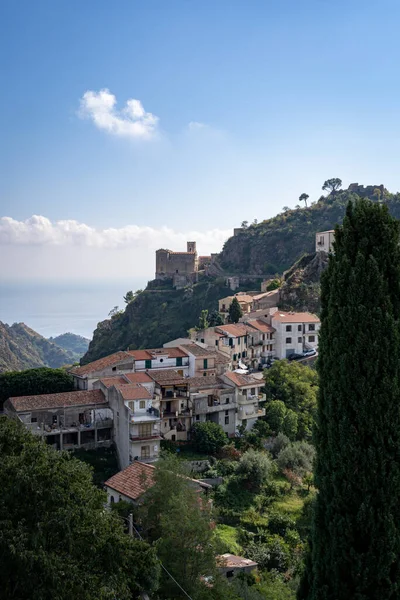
{"x":132,"y":121}
{"x":196,"y":125}
{"x":39,"y":230}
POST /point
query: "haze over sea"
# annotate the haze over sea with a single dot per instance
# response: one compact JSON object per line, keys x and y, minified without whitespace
{"x":52,"y":308}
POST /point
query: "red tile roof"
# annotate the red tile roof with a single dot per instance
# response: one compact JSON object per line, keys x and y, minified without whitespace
{"x":197,"y":350}
{"x":139,"y":354}
{"x":134,"y":391}
{"x":166,"y":376}
{"x":231,"y":560}
{"x":110,"y":381}
{"x":260,"y":325}
{"x":152,"y":353}
{"x":133,"y":481}
{"x":64,"y":399}
{"x":241,"y":380}
{"x":295,"y":317}
{"x":203,"y":382}
{"x":140,"y":377}
{"x":101,"y":363}
{"x":234,"y":329}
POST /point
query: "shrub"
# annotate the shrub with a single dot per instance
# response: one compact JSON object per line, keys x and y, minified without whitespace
{"x":298,"y":458}
{"x":254,"y":467}
{"x":208,"y":437}
{"x":280,"y":442}
{"x":279,"y":523}
{"x":229,"y":451}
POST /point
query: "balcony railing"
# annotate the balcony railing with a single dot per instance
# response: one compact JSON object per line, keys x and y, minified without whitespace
{"x":144,"y":436}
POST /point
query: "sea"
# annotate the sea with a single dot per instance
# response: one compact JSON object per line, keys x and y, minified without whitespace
{"x":52,"y":308}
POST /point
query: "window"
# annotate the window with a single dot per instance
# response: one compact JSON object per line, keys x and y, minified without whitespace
{"x":311,"y":338}
{"x":245,"y":339}
{"x":131,"y":405}
{"x":197,"y":417}
{"x":244,"y":354}
{"x":144,"y":429}
{"x":112,"y":499}
{"x":161,"y":360}
{"x":263,"y":336}
{"x":142,"y":404}
{"x":226,"y":413}
{"x":288,"y":328}
{"x":231,"y":341}
{"x":33,"y":419}
{"x":253,"y":391}
{"x":179,"y":361}
{"x":202,"y":340}
{"x":147,"y":364}
{"x":226,"y":400}
{"x":234,"y":357}
{"x":205,"y":363}
{"x":311,"y":327}
{"x":288,"y":340}
{"x":114,"y":368}
{"x":299,"y":339}
{"x":216,"y":342}
{"x":145,"y":452}
{"x":226,"y":420}
{"x":55,"y":419}
{"x":177,"y":271}
{"x":223,"y":307}
{"x":299,"y":327}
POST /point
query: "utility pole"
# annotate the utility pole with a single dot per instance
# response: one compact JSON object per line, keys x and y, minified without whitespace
{"x":130,"y":523}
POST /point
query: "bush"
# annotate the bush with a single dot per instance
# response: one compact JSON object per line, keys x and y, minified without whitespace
{"x":279,"y":523}
{"x":280,"y":442}
{"x":208,"y":437}
{"x":229,"y":451}
{"x":254,"y":467}
{"x":298,"y":458}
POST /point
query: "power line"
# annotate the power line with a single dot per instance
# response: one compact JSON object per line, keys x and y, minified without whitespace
{"x":131,"y":525}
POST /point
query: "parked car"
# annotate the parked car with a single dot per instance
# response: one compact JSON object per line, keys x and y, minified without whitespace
{"x":295,"y":356}
{"x":310,"y":352}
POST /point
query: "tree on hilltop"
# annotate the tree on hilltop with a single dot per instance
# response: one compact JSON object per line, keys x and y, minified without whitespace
{"x":235,"y":311}
{"x":203,"y":320}
{"x":304,"y":198}
{"x":355,"y":539}
{"x":332,"y":185}
{"x":216,"y":319}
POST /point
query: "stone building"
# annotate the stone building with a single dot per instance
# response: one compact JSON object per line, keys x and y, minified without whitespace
{"x":181,"y":267}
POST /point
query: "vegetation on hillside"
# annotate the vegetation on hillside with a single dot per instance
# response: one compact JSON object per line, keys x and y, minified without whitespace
{"x":33,"y":382}
{"x":356,"y":531}
{"x":74,"y":345}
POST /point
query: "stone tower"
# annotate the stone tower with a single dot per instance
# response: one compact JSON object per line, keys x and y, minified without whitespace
{"x":191,"y":246}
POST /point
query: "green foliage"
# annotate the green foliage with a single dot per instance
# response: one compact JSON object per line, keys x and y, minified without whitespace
{"x":129,"y":297}
{"x":279,"y":442}
{"x":103,"y":462}
{"x":208,"y":437}
{"x":281,"y":419}
{"x":203,"y":320}
{"x":57,"y":541}
{"x":304,"y":198}
{"x":356,"y":532}
{"x":75,"y":345}
{"x":33,"y":382}
{"x":254,"y":467}
{"x":215,"y":319}
{"x":296,"y":386}
{"x":332,"y":185}
{"x":273,"y":285}
{"x":235,"y":311}
{"x":297,"y":457}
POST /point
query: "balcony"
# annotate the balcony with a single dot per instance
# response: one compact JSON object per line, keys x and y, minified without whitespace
{"x":143,"y":437}
{"x":247,"y":399}
{"x":144,"y":418}
{"x":42,"y":429}
{"x":256,"y":412}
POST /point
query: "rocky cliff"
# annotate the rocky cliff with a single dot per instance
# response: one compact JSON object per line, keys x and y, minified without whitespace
{"x":22,"y":348}
{"x":301,"y":290}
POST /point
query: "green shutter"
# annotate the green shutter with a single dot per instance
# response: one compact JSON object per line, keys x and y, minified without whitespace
{"x":205,"y":363}
{"x":148,"y":364}
{"x":234,"y":357}
{"x":179,"y":361}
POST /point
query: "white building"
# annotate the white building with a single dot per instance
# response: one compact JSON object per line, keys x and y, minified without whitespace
{"x":324,"y":241}
{"x":247,"y":397}
{"x":294,"y":332}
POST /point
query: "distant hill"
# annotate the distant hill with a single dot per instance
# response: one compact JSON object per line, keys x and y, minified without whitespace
{"x":75,"y":345}
{"x":23,"y":348}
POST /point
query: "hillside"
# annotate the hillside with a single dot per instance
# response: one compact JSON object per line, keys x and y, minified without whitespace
{"x":74,"y":345}
{"x":23,"y":348}
{"x":278,"y":245}
{"x":274,"y":245}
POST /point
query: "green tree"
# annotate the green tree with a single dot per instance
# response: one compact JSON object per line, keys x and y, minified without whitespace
{"x":208,"y":437}
{"x":235,"y":311}
{"x":304,"y":198}
{"x":275,"y":412}
{"x":129,"y":297}
{"x":215,"y":319}
{"x":297,"y":457}
{"x":290,"y":424}
{"x":254,"y":467}
{"x":332,"y":185}
{"x":177,"y":520}
{"x":296,"y":386}
{"x":115,"y":312}
{"x":245,"y":224}
{"x":356,"y":530}
{"x":203,"y":320}
{"x":57,"y":541}
{"x":34,"y":381}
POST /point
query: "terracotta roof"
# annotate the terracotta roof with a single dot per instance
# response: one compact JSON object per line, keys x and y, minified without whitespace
{"x":110,"y":381}
{"x":134,"y":391}
{"x":241,"y":380}
{"x":100,"y":364}
{"x":166,"y":376}
{"x":133,"y":481}
{"x":136,"y":479}
{"x":263,"y":295}
{"x":260,"y":325}
{"x":203,"y":382}
{"x":295,"y":317}
{"x":244,"y":298}
{"x":140,"y":377}
{"x":139,"y":354}
{"x":235,"y":329}
{"x":197,"y":350}
{"x":221,"y":358}
{"x":231,"y":560}
{"x":152,"y":353}
{"x":79,"y":398}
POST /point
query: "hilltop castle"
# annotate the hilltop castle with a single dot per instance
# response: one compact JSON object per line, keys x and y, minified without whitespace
{"x":181,"y":267}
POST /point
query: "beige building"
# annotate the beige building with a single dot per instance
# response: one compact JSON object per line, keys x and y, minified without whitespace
{"x":248,"y":394}
{"x":245,"y":301}
{"x":294,"y":332}
{"x":324,"y":241}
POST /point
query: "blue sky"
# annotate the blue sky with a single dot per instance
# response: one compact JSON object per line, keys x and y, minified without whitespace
{"x":284,"y":94}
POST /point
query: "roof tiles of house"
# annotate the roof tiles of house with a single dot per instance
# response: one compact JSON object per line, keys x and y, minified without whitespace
{"x":231,"y":560}
{"x":134,"y":391}
{"x":295,"y":317}
{"x":152,"y":353}
{"x":197,"y":350}
{"x":241,"y":380}
{"x":110,"y":381}
{"x":203,"y":382}
{"x":260,"y":325}
{"x":100,"y":364}
{"x":61,"y":400}
{"x":221,"y":359}
{"x":166,"y":376}
{"x":133,"y":481}
{"x":234,"y":329}
{"x":136,"y":479}
{"x":138,"y":377}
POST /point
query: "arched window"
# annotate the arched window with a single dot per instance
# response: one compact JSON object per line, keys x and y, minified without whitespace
{"x":112,"y":500}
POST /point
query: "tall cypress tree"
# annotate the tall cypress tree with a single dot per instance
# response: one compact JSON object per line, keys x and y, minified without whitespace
{"x":355,"y":545}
